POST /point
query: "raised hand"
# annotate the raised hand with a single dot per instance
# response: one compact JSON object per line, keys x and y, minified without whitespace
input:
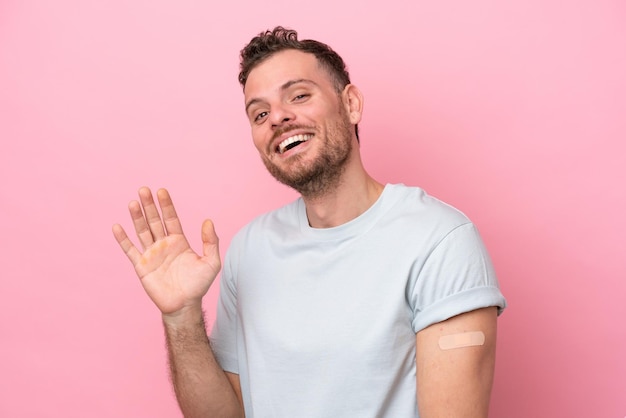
{"x":172,"y":274}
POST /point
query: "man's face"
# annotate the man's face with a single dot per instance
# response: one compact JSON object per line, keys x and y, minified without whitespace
{"x":300,"y":125}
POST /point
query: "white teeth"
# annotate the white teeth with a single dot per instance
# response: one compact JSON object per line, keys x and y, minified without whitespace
{"x":296,"y":138}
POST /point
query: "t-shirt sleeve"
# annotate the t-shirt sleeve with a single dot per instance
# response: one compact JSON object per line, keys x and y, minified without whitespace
{"x":224,"y":333}
{"x":456,"y":277}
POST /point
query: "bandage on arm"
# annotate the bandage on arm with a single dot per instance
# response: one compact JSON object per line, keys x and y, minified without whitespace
{"x":462,"y":339}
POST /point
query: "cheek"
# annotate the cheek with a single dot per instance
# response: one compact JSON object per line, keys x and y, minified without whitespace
{"x":258,"y":139}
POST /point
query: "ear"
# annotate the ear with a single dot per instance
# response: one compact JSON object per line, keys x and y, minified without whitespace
{"x":353,"y":103}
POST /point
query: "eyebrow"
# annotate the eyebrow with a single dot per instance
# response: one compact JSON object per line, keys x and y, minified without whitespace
{"x":282,"y":88}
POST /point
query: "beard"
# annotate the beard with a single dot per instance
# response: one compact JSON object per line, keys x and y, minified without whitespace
{"x":313,"y":179}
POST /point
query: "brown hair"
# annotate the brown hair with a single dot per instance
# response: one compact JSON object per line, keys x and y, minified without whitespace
{"x":267,"y":43}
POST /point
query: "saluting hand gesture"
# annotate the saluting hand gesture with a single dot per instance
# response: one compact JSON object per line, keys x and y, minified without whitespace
{"x":172,"y":274}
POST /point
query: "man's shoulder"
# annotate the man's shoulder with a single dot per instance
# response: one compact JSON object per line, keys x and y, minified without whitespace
{"x":414,"y":203}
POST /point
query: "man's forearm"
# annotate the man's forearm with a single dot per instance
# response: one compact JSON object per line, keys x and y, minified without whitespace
{"x":200,"y":384}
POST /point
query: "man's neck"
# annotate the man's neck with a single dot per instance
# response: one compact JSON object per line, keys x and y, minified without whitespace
{"x":353,"y":195}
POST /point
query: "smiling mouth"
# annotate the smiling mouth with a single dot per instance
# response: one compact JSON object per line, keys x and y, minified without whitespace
{"x":292,"y":142}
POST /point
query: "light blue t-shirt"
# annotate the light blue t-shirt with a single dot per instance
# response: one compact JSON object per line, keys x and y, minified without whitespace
{"x":322,"y":322}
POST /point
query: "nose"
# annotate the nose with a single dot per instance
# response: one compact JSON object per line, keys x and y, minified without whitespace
{"x":280,"y":115}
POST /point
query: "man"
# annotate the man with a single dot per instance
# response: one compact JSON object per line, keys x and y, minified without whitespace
{"x":357,"y":300}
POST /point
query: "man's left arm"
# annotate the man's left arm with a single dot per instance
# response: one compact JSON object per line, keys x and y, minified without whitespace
{"x":455,"y":362}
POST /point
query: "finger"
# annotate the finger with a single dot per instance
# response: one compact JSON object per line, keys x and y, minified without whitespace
{"x":170,"y":218}
{"x":152,"y":214}
{"x":141,"y":226}
{"x":129,"y":249}
{"x":210,"y":241}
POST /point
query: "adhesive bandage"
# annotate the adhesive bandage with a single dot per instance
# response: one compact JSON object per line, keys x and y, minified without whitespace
{"x":463,"y":339}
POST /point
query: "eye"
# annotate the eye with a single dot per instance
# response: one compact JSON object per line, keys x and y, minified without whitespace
{"x":260,"y":116}
{"x":301,"y":97}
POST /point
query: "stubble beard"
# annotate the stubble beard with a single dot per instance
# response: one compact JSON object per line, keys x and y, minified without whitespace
{"x":314,"y":179}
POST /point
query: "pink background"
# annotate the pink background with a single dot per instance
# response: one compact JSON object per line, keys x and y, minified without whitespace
{"x":515,"y":112}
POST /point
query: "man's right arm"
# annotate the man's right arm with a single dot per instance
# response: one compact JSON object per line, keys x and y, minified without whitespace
{"x":202,"y":388}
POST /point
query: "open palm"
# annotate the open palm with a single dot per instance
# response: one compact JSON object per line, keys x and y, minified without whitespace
{"x":173,"y":275}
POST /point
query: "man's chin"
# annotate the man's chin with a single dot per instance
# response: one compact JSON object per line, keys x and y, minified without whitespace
{"x":299,"y":180}
{"x":295,"y":173}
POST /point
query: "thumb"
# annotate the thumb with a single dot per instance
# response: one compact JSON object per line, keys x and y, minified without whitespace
{"x":210,"y":240}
